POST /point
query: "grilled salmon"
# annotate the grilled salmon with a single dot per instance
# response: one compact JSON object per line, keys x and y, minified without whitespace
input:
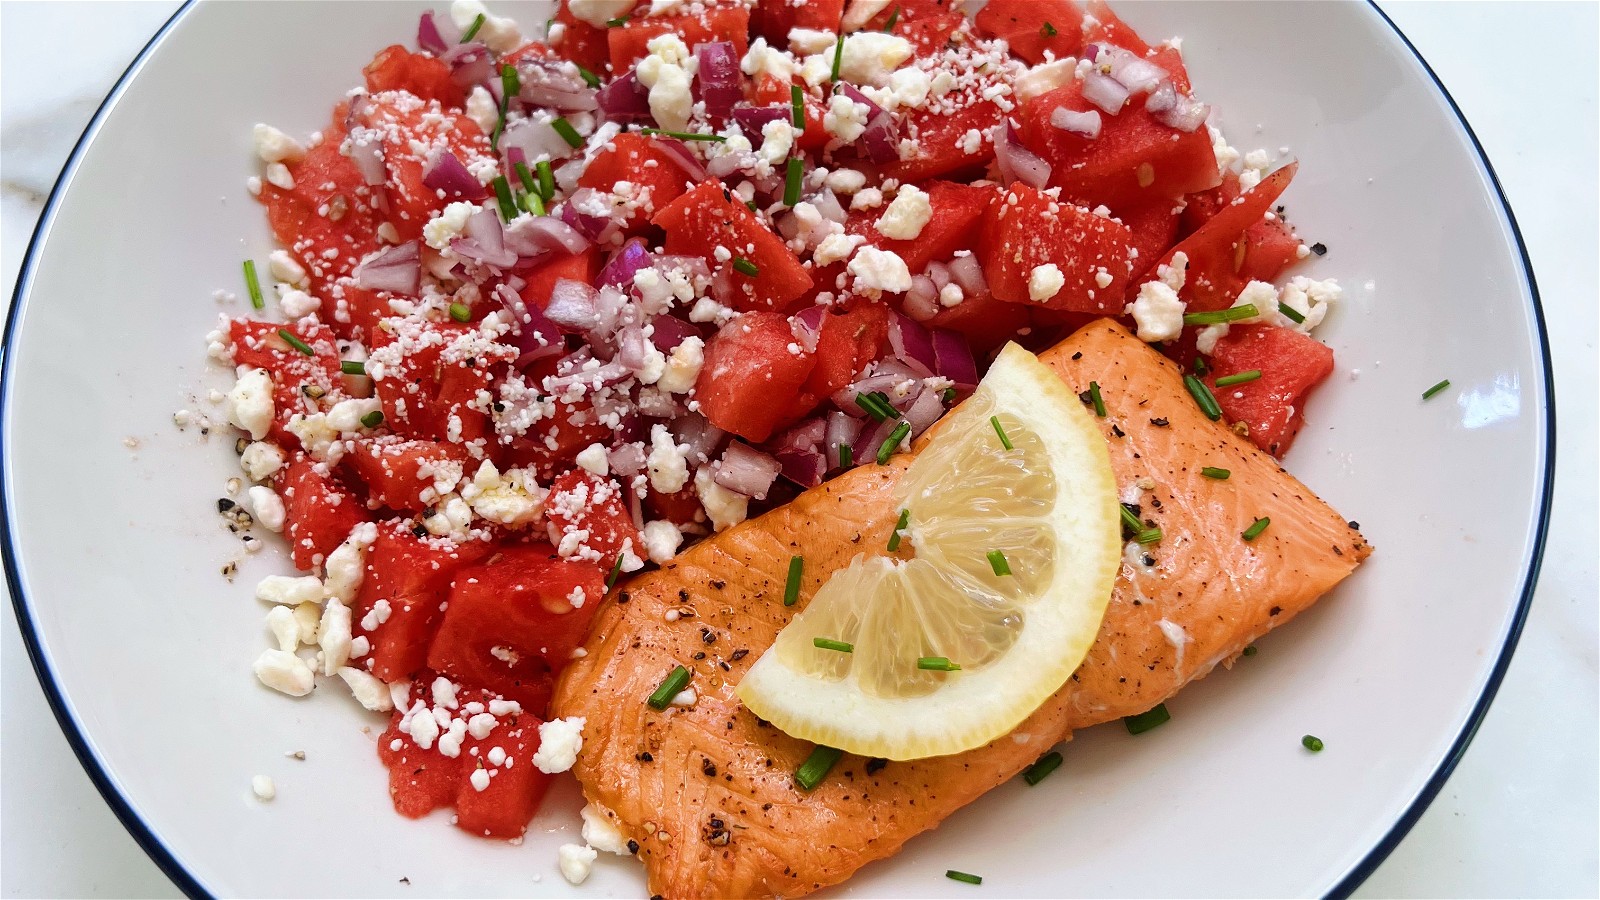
{"x":707,"y":790}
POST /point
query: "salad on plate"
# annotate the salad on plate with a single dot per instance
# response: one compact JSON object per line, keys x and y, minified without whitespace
{"x":792,"y":419}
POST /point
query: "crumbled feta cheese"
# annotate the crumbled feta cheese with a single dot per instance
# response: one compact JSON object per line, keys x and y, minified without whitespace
{"x":297,"y":304}
{"x":308,"y":616}
{"x":249,"y":404}
{"x":479,"y":779}
{"x":289,"y":590}
{"x":867,"y":198}
{"x":334,"y":637}
{"x":683,"y":366}
{"x":599,"y":833}
{"x":845,"y":119}
{"x":278,"y":176}
{"x":315,"y":434}
{"x":861,"y":12}
{"x":1261,"y":295}
{"x":513,"y":498}
{"x":346,"y":565}
{"x":685,"y":698}
{"x":560,"y":741}
{"x":367,"y":689}
{"x":263,"y":787}
{"x":599,"y":12}
{"x":879,"y":271}
{"x":845,"y":181}
{"x":1044,"y":78}
{"x":575,"y":862}
{"x":448,"y":224}
{"x":286,"y":268}
{"x":661,"y":540}
{"x":1258,"y":160}
{"x":1157,"y":311}
{"x":267,"y":507}
{"x":261,"y":460}
{"x":1310,"y":298}
{"x":482,"y":108}
{"x":726,"y":508}
{"x":1225,"y":154}
{"x":951,"y":295}
{"x":777,"y":138}
{"x":346,"y":415}
{"x":907,"y":214}
{"x":811,"y":41}
{"x":763,"y":59}
{"x":285,"y":630}
{"x":836,"y":247}
{"x":592,"y":459}
{"x":285,"y":673}
{"x":1205,"y":340}
{"x":1044,"y":282}
{"x":498,"y":32}
{"x":274,"y":146}
{"x":668,"y":461}
{"x":667,"y":73}
{"x":1248,"y":179}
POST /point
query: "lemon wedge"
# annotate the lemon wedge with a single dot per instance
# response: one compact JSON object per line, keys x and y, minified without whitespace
{"x":1012,"y":556}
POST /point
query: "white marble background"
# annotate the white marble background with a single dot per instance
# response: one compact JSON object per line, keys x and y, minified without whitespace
{"x":1519,"y":818}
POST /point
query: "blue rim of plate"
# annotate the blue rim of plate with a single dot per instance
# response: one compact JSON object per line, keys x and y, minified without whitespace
{"x":186,"y":882}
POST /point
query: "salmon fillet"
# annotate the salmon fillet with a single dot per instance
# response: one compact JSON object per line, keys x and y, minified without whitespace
{"x":707,"y":791}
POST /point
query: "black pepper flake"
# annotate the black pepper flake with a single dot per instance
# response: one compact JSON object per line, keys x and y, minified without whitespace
{"x":1149,"y":560}
{"x":419,"y":530}
{"x":623,"y":597}
{"x":1118,"y":431}
{"x":1086,"y":398}
{"x":633,"y":846}
{"x":718,"y":585}
{"x":1159,"y":423}
{"x":739,"y":654}
{"x":1354,"y":525}
{"x":1077,"y":356}
{"x":708,"y":636}
{"x":683,"y":594}
{"x":699,"y":654}
{"x":224,"y":504}
{"x":1275,"y":610}
{"x":725,"y":667}
{"x":709,"y":768}
{"x":644,"y":757}
{"x":875,"y":765}
{"x":1319,"y":248}
{"x":404,"y":880}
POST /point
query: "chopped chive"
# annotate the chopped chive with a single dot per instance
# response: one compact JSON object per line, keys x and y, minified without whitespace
{"x":460,"y":312}
{"x":894,"y":17}
{"x":831,"y":644}
{"x":1130,"y":519}
{"x":1312,"y":742}
{"x":616,"y":572}
{"x":685,"y":135}
{"x":1255,"y":529}
{"x":876,"y":405}
{"x":353,"y":367}
{"x":618,"y":22}
{"x":253,"y":285}
{"x":589,"y":78}
{"x":547,"y":179}
{"x":1041,"y":770}
{"x":947,"y":396}
{"x":1290,"y":313}
{"x":1428,"y":394}
{"x":1214,"y":472}
{"x":1200,"y":366}
{"x":887,"y":449}
{"x":791,"y":587}
{"x":965,"y":877}
{"x":569,"y":134}
{"x":838,"y":57}
{"x":1047,"y":30}
{"x":937,"y":664}
{"x":1094,"y":397}
{"x":847,"y":457}
{"x":1251,"y":650}
{"x":510,"y":86}
{"x":502,"y":194}
{"x":1218,"y":317}
{"x":791,"y":181}
{"x":531,"y":204}
{"x":894,"y":536}
{"x":816,"y":766}
{"x":525,"y":176}
{"x":997,"y":562}
{"x":1005,"y":441}
{"x":373,"y":419}
{"x":675,"y":681}
{"x":1148,"y":536}
{"x":797,"y":100}
{"x":746,"y":267}
{"x":472,"y":30}
{"x":1238,"y":378}
{"x":1147,"y":720}
{"x":1202,"y":396}
{"x":293,"y":341}
{"x":751,"y":205}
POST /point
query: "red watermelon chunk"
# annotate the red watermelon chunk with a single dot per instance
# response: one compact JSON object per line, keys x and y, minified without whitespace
{"x":400,"y":473}
{"x":1272,"y":406}
{"x":1031,"y":27}
{"x":319,"y":511}
{"x":408,"y":575}
{"x":581,"y":502}
{"x":630,"y":42}
{"x":754,"y":359}
{"x":956,"y":212}
{"x":1026,"y":229}
{"x":658,"y":177}
{"x":710,"y":217}
{"x":1216,"y":252}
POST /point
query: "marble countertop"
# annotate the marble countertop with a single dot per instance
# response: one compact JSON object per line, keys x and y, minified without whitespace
{"x":1518,"y":818}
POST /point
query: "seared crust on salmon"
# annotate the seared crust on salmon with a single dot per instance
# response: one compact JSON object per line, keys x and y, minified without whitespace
{"x":707,"y":790}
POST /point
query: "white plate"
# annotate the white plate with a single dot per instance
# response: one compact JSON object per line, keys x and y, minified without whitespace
{"x":113,"y":553}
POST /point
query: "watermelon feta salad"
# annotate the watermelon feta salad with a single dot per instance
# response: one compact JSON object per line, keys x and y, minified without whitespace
{"x":547,"y":309}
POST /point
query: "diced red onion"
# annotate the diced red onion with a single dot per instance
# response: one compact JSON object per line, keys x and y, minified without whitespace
{"x":1105,"y":92}
{"x":842,"y":431}
{"x":803,"y":467}
{"x":804,"y":436}
{"x":536,"y":139}
{"x":630,"y":258}
{"x":940,"y":273}
{"x":471,"y":64}
{"x":546,"y":83}
{"x":625,"y":99}
{"x":902,"y":371}
{"x":591,"y":227}
{"x":367,"y":155}
{"x":845,"y":399}
{"x":632,"y":348}
{"x":658,"y":404}
{"x":952,"y":359}
{"x":451,"y":177}
{"x":533,"y":334}
{"x":753,"y":119}
{"x":692,"y":266}
{"x":1092,"y":52}
{"x":968,"y":272}
{"x":718,"y":78}
{"x":881,"y":138}
{"x":1186,"y":114}
{"x":1161,"y":99}
{"x":680,"y":153}
{"x":429,"y":36}
{"x":922,"y":301}
{"x":696,"y":433}
{"x":609,"y":305}
{"x":807,"y":327}
{"x":533,"y":236}
{"x":829,"y":207}
{"x":872,"y":438}
{"x":604,"y":375}
{"x":483,"y":241}
{"x":397,"y":269}
{"x":746,"y":470}
{"x":667,"y":332}
{"x":1136,"y":74}
{"x":1084,"y":124}
{"x":1016,"y":162}
{"x":572,"y":306}
{"x":626,"y":459}
{"x":925,"y":411}
{"x":910,"y":341}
